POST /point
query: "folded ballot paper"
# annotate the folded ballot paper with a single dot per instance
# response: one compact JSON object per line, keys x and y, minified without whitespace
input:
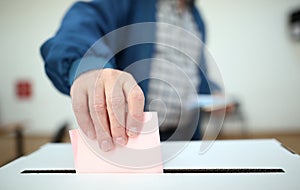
{"x":142,"y":154}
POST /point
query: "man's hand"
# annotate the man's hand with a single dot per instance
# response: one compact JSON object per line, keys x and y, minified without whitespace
{"x":108,"y":105}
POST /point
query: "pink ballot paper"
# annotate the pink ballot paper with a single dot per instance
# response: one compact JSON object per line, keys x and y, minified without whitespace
{"x":142,"y":154}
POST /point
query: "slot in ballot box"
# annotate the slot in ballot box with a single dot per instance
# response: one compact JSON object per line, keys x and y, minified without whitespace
{"x":229,"y":164}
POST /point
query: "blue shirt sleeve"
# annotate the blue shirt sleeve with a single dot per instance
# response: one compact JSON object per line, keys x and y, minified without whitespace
{"x":207,"y":86}
{"x":82,"y":26}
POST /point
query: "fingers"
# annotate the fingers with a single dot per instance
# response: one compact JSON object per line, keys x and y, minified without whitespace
{"x":98,"y":112}
{"x":99,"y":100}
{"x":116,"y":107}
{"x":81,"y":111}
{"x":135,"y":100}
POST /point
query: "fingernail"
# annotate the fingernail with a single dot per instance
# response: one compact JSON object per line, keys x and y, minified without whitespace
{"x":105,"y":145}
{"x":120,"y":140}
{"x":133,"y":131}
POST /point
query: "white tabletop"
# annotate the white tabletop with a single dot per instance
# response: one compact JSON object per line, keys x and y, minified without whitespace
{"x":239,"y":154}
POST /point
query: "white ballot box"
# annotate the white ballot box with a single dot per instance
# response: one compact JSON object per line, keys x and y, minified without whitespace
{"x":236,"y":164}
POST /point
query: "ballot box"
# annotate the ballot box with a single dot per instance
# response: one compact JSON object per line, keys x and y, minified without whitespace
{"x":226,"y":164}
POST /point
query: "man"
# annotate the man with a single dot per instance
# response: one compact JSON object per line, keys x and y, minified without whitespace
{"x":107,"y":101}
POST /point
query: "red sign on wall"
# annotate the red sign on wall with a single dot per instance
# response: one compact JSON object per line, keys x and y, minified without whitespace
{"x":23,"y":89}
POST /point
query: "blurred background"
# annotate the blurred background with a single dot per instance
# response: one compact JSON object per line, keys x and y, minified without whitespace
{"x":254,"y":43}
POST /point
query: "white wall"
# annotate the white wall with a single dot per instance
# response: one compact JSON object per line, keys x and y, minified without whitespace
{"x":247,"y":38}
{"x":259,"y":62}
{"x":25,"y":25}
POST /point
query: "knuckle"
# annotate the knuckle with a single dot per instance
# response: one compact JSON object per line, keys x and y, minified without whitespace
{"x":118,"y":127}
{"x":103,"y":135}
{"x":138,"y":117}
{"x":110,"y":73}
{"x":79,"y":107}
{"x":128,"y":75}
{"x":99,"y":107}
{"x":76,"y":89}
{"x":137,"y":94}
{"x":116,"y":101}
